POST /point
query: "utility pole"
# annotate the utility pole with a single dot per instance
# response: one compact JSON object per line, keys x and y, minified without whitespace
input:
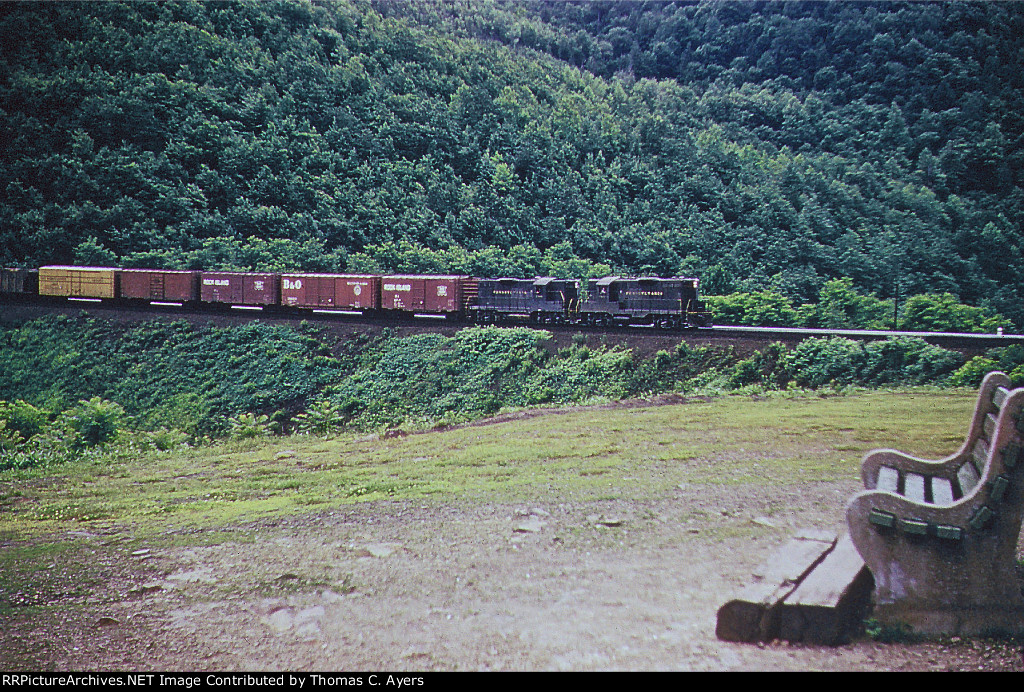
{"x":896,"y":308}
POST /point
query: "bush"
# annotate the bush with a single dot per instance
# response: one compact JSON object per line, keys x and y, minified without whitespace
{"x":943,"y":313}
{"x":164,"y":439}
{"x":249,"y":426}
{"x":94,"y":422}
{"x":323,"y":418}
{"x":767,"y":368}
{"x":760,"y":309}
{"x":10,"y":439}
{"x":828,"y":361}
{"x":836,"y":361}
{"x":24,"y":418}
{"x":1009,"y":359}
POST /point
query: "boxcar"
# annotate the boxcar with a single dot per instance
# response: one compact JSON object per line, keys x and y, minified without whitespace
{"x":427,"y":294}
{"x":160,"y":284}
{"x":79,"y":282}
{"x":240,"y":288}
{"x":544,"y":299}
{"x":20,"y":281}
{"x":339,"y":291}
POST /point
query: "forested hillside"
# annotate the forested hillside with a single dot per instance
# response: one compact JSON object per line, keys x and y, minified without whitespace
{"x":757,"y":145}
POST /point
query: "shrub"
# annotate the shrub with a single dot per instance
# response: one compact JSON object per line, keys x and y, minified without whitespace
{"x":767,"y":368}
{"x":323,"y":418}
{"x":10,"y":439}
{"x":943,"y":313}
{"x":828,"y":361}
{"x":171,"y":375}
{"x":249,"y":426}
{"x":837,"y":361}
{"x":24,"y":418}
{"x":763,"y":308}
{"x":94,"y":422}
{"x":165,"y":439}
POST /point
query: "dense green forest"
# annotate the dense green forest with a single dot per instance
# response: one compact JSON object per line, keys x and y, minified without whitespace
{"x":764,"y":146}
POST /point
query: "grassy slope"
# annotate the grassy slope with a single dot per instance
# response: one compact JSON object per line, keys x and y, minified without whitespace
{"x":585,"y":453}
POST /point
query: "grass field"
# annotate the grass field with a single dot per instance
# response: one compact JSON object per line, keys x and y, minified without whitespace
{"x":586,"y":452}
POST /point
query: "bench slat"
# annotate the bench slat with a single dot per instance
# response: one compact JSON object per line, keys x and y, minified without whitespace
{"x":886,"y":520}
{"x":888,"y":479}
{"x":942,"y":491}
{"x":914,"y":487}
{"x":979,"y":455}
{"x":981,"y":517}
{"x":999,"y":396}
{"x":989,"y":427}
{"x":968,"y":478}
{"x":999,"y":487}
{"x":914,"y":527}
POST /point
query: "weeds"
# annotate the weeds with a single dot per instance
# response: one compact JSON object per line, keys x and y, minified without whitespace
{"x":895,"y":633}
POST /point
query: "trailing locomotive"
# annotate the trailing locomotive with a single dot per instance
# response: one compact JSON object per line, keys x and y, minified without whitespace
{"x":664,"y":303}
{"x":614,"y":300}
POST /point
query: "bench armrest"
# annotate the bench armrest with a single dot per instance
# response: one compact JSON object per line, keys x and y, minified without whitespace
{"x":895,"y":459}
{"x":861,"y":505}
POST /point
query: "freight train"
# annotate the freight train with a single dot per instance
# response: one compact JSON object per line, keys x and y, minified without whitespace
{"x":663,"y":303}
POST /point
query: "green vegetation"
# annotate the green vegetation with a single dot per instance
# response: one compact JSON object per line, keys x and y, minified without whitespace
{"x":899,"y":633}
{"x":83,"y":388}
{"x":841,"y":306}
{"x":72,"y":384}
{"x":769,"y":148}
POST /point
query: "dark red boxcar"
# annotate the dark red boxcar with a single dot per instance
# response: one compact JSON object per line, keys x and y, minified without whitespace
{"x":433,"y":294}
{"x":160,"y":284}
{"x":240,"y":288}
{"x":341,"y":291}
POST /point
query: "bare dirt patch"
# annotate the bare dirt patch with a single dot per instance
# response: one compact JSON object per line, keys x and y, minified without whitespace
{"x":453,"y":586}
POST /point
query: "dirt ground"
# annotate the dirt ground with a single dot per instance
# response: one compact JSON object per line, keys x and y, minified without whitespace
{"x":554,"y":585}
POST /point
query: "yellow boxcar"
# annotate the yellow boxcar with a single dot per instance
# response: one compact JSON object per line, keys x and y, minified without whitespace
{"x":78,"y":282}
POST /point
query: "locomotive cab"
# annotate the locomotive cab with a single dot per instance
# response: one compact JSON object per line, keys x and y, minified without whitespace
{"x":557,"y":299}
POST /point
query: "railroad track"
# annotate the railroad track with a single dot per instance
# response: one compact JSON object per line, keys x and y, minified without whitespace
{"x":16,"y":309}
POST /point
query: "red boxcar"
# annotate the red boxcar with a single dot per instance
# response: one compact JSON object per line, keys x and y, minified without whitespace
{"x":240,"y":288}
{"x":341,"y":291}
{"x":433,"y":294}
{"x":160,"y":284}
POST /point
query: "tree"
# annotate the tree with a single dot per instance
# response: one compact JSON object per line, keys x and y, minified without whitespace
{"x":841,"y":307}
{"x":90,"y":253}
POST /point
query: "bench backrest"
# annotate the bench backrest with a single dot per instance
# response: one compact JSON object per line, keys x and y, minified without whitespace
{"x":964,"y":492}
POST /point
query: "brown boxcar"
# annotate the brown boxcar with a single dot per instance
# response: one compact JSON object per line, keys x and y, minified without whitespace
{"x":341,"y":291}
{"x":240,"y":288}
{"x":79,"y":282}
{"x":432,"y":294}
{"x":21,"y":281}
{"x":160,"y":284}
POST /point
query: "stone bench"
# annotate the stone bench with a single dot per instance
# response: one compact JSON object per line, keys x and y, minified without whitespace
{"x":940,"y":536}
